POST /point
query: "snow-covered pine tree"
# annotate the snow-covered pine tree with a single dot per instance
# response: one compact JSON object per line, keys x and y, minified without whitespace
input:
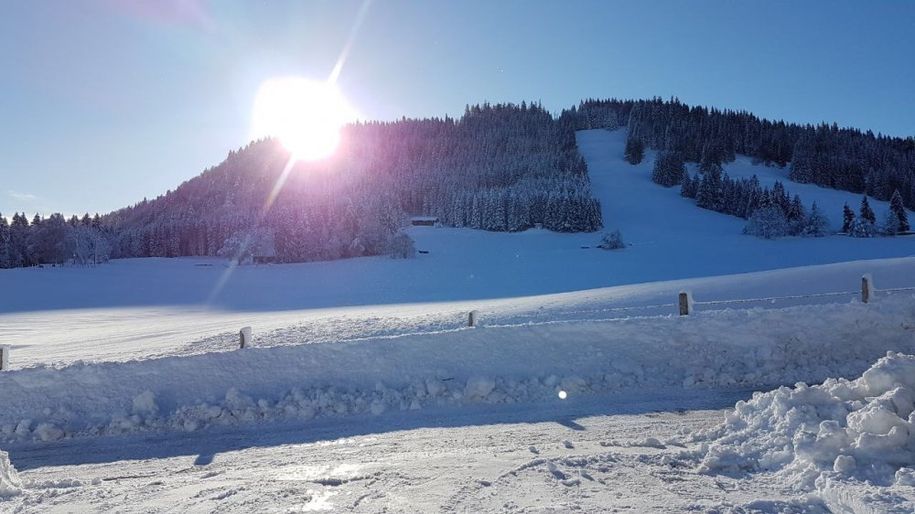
{"x":890,"y":225}
{"x":668,"y":169}
{"x":816,"y":224}
{"x":862,"y":227}
{"x":767,"y":222}
{"x":797,"y":218}
{"x":6,"y":260}
{"x":690,"y":186}
{"x":635,"y":150}
{"x":708,"y":195}
{"x":711,"y":159}
{"x":866,"y":212}
{"x":612,"y":241}
{"x":898,"y":209}
{"x":848,"y":219}
{"x":401,"y":246}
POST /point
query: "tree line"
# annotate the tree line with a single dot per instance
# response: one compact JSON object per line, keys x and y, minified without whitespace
{"x":52,"y":240}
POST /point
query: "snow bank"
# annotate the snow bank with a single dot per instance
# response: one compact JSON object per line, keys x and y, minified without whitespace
{"x":9,"y":479}
{"x":497,"y":364}
{"x":842,"y":431}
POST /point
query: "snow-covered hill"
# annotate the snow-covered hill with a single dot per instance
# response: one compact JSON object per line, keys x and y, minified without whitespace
{"x":137,"y":360}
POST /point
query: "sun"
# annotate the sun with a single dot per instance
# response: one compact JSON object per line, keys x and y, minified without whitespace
{"x":305,"y":115}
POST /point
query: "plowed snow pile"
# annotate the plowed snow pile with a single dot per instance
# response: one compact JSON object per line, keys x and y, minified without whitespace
{"x":9,"y":479}
{"x":832,"y":438}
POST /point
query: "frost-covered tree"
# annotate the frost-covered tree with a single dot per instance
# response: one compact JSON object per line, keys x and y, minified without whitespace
{"x":797,"y":216}
{"x":6,"y":259}
{"x":815,"y":224}
{"x":243,"y":246}
{"x":612,"y":241}
{"x":709,"y":194}
{"x":690,"y":186}
{"x":898,"y":210}
{"x":669,"y":169}
{"x":768,"y":222}
{"x":48,"y":241}
{"x":890,"y":224}
{"x":862,"y":227}
{"x":401,"y":246}
{"x":848,"y":219}
{"x":866,"y":213}
{"x":635,"y":150}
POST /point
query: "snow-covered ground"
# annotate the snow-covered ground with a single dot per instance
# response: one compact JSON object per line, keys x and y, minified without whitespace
{"x":540,"y":458}
{"x":118,"y":334}
{"x":127,"y":390}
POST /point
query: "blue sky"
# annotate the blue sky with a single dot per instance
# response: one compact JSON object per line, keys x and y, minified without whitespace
{"x":104,"y":102}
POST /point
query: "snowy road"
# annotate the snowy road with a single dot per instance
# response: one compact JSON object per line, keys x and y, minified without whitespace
{"x":593,"y":455}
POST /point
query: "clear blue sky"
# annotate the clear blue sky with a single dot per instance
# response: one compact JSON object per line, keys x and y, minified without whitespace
{"x":104,"y":102}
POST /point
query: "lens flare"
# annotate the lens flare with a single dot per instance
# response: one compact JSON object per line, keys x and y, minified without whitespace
{"x":305,"y":115}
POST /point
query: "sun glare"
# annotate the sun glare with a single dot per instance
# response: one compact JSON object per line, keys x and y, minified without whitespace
{"x":305,"y":115}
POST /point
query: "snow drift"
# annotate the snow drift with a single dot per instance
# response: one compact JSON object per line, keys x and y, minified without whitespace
{"x":495,"y":364}
{"x":9,"y":479}
{"x":842,"y":431}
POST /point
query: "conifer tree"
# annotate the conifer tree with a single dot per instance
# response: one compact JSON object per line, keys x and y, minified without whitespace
{"x":635,"y":150}
{"x":767,"y":222}
{"x":5,"y":244}
{"x":890,"y":225}
{"x":866,"y":213}
{"x":816,"y":224}
{"x":668,"y":169}
{"x":898,"y":209}
{"x":690,"y":186}
{"x":709,"y":195}
{"x":848,"y":219}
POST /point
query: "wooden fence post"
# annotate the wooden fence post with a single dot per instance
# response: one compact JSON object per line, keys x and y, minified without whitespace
{"x":686,"y":303}
{"x":244,"y":337}
{"x":867,"y":288}
{"x":472,"y":318}
{"x":4,"y":357}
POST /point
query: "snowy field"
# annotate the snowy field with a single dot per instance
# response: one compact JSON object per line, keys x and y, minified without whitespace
{"x":142,"y":307}
{"x":127,"y":391}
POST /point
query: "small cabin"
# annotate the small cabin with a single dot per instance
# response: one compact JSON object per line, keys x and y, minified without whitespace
{"x":424,"y":221}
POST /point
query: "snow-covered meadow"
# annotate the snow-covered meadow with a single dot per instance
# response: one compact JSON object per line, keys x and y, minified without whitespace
{"x":122,"y":373}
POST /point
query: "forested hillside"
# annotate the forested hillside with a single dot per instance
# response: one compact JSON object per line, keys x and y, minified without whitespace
{"x":840,"y":158}
{"x":499,"y":167}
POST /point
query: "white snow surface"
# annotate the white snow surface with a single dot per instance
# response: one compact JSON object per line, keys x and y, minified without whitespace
{"x":839,"y":436}
{"x":495,"y":364}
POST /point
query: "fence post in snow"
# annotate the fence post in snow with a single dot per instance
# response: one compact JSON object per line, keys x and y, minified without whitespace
{"x":244,"y":337}
{"x":686,"y":303}
{"x":4,"y":357}
{"x":472,"y":318}
{"x":867,"y":288}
